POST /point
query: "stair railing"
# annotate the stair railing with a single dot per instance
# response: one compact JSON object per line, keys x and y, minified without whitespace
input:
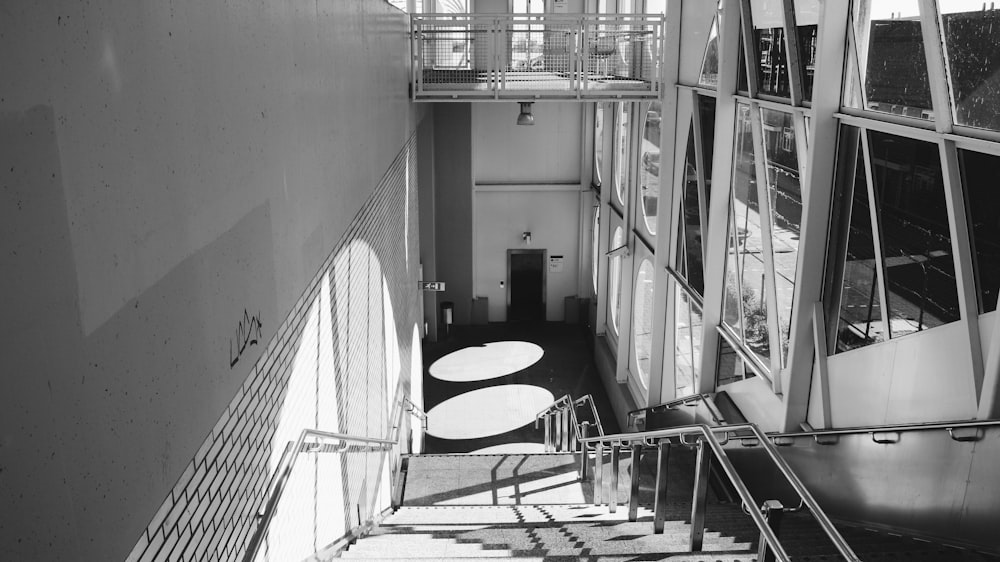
{"x":563,"y":429}
{"x":708,"y":445}
{"x":313,"y":440}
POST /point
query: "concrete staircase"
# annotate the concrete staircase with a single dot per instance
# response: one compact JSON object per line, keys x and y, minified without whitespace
{"x":533,"y":507}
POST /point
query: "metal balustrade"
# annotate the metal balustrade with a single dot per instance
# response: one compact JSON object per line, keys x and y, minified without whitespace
{"x":312,"y":441}
{"x":526,"y":57}
{"x":564,"y":432}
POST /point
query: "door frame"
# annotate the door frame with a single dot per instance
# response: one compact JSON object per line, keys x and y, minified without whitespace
{"x":545,"y":277}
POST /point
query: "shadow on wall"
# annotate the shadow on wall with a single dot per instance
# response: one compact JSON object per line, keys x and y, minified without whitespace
{"x":90,"y":424}
{"x":95,"y":428}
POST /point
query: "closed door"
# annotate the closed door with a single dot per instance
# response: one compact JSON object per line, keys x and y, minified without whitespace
{"x":525,"y":285}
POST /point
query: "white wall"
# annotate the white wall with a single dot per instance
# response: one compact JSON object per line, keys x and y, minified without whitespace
{"x":552,"y":217}
{"x":922,"y":377}
{"x":546,"y":152}
{"x":164,"y":167}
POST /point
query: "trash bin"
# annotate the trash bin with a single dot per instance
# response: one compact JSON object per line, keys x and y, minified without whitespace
{"x":447,"y":315}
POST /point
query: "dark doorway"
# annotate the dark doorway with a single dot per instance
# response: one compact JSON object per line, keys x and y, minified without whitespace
{"x":525,"y":285}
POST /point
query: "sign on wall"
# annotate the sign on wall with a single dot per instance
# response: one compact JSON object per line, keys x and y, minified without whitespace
{"x":555,"y":264}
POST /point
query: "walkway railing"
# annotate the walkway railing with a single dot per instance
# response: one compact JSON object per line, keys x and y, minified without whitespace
{"x":313,"y":440}
{"x":765,"y":515}
{"x":526,"y":57}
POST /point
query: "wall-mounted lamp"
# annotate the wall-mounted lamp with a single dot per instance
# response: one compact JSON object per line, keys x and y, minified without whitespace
{"x":525,"y":117}
{"x":526,"y":236}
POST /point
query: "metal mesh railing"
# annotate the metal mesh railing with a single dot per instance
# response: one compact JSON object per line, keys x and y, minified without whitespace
{"x":518,"y":56}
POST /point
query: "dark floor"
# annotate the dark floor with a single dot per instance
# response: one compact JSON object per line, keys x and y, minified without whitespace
{"x":566,"y":367}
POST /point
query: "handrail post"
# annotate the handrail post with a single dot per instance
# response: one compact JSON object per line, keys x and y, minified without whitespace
{"x":584,"y":430}
{"x":573,"y":429}
{"x":616,"y":451}
{"x":598,"y":471}
{"x":773,"y":511}
{"x":660,"y":493}
{"x":565,"y":428}
{"x":559,"y":430}
{"x":633,"y":498}
{"x":702,"y":466}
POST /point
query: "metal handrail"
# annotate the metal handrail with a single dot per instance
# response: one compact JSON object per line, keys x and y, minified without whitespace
{"x":708,"y":435}
{"x":706,"y":399}
{"x":886,"y":428}
{"x":290,"y":455}
{"x":566,"y":402}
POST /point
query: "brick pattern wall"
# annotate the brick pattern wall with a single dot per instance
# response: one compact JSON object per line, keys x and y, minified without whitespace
{"x":339,"y":362}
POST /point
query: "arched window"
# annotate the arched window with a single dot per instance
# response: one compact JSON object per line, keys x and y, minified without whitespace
{"x":615,"y":280}
{"x":598,"y":144}
{"x":642,"y":320}
{"x":649,"y":173}
{"x":595,"y":246}
{"x":621,"y":153}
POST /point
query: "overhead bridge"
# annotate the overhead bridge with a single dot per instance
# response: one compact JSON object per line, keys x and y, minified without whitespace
{"x":528,"y":57}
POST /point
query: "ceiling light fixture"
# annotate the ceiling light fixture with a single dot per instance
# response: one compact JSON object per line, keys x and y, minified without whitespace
{"x":525,"y":117}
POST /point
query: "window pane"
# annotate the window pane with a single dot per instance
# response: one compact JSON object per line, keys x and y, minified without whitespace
{"x":710,"y":61}
{"x":916,"y":241}
{"x":691,"y":221}
{"x":650,"y":173}
{"x":731,"y":303}
{"x":894,"y":68}
{"x":972,"y":46}
{"x":785,"y":193}
{"x":860,"y":321}
{"x":598,"y":143}
{"x":687,"y":344}
{"x":621,"y":153}
{"x":615,"y":278}
{"x":750,"y":246}
{"x":807,"y":24}
{"x":706,"y":112}
{"x":979,"y":176}
{"x":731,"y":367}
{"x":769,"y":39}
{"x":595,"y":242}
{"x":642,"y":320}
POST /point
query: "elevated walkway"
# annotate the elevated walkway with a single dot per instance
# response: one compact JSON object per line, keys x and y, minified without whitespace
{"x":524,"y":57}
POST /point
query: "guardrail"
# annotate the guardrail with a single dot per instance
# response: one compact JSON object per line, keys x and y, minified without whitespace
{"x":562,"y":426}
{"x":526,"y":57}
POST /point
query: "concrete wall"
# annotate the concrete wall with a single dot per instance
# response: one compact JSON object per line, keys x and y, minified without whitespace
{"x":453,"y":206}
{"x":173,"y":177}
